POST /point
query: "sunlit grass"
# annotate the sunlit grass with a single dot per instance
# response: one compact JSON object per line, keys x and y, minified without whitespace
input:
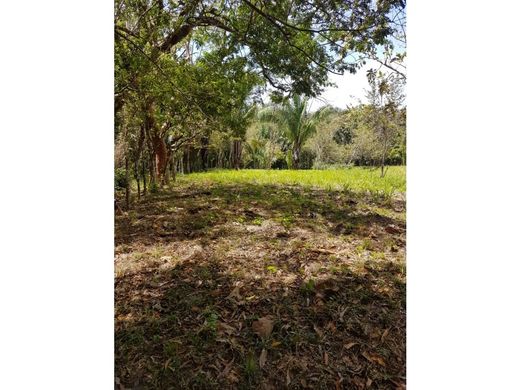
{"x":355,"y":179}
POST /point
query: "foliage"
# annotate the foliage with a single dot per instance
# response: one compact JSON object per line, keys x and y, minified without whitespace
{"x":120,"y":181}
{"x":296,"y":123}
{"x":185,"y":70}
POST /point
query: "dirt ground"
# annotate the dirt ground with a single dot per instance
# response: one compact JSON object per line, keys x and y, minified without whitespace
{"x":260,"y":287}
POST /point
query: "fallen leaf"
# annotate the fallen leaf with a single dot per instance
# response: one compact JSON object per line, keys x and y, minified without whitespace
{"x":369,"y":382}
{"x":385,"y":333}
{"x":235,"y":294}
{"x":379,"y":360}
{"x":326,"y":358}
{"x":392,"y":229}
{"x":263,"y":358}
{"x":275,"y":344}
{"x":318,"y":331}
{"x":350,"y":345}
{"x":226,"y":370}
{"x":263,"y":327}
{"x":374,"y":359}
{"x":224,"y":328}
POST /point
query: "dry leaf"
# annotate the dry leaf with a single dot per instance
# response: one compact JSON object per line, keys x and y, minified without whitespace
{"x":263,"y":327}
{"x":235,"y":294}
{"x":350,"y":345}
{"x":263,"y":358}
{"x":369,"y":382}
{"x":326,"y":358}
{"x":275,"y":344}
{"x":226,"y":370}
{"x":374,"y":359}
{"x":379,"y":360}
{"x":222,"y":328}
{"x":385,"y":333}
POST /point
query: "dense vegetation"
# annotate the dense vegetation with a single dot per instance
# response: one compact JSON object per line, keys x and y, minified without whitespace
{"x":191,"y":79}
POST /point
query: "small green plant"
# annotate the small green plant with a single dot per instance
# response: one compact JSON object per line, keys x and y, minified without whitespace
{"x":154,"y":188}
{"x":308,"y":287}
{"x":250,"y":367}
{"x":287,"y":221}
{"x":272,"y":268}
{"x":170,"y":348}
{"x":366,"y":245}
{"x":120,"y":181}
{"x":209,"y":327}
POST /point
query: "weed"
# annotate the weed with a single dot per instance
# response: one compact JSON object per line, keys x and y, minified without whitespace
{"x":366,"y":245}
{"x":287,"y":221}
{"x":250,"y":367}
{"x":308,"y":287}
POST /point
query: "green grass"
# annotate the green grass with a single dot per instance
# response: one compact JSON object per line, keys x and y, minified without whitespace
{"x":355,"y":179}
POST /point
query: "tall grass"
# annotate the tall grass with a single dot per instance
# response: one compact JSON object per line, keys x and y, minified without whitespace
{"x":356,"y":179}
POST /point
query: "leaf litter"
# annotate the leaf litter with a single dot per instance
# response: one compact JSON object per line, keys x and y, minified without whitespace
{"x":293,"y":303}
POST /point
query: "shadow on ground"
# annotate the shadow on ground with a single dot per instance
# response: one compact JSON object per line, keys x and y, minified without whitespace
{"x":196,"y":267}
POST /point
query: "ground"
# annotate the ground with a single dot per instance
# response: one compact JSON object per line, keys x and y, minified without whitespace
{"x":227,"y":281}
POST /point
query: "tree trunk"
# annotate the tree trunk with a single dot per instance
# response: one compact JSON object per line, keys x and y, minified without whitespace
{"x":296,"y":157}
{"x":385,"y":147}
{"x":127,"y":187}
{"x":161,"y":156}
{"x":136,"y":176}
{"x":143,"y":171}
{"x":204,"y":152}
{"x":174,"y":169}
{"x":236,"y":153}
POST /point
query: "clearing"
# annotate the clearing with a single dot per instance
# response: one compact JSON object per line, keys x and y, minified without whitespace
{"x":264,"y":280}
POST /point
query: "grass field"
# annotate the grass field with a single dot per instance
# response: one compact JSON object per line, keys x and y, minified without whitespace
{"x":264,"y":280}
{"x":355,"y":179}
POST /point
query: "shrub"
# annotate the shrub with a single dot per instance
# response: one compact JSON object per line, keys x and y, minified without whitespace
{"x":279,"y":163}
{"x":120,"y":181}
{"x":307,"y":159}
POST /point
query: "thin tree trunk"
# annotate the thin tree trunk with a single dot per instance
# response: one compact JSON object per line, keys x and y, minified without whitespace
{"x":136,"y":176}
{"x":383,"y":160}
{"x":174,"y":169}
{"x":127,"y":188}
{"x":204,"y":152}
{"x":151,"y":168}
{"x":143,"y":171}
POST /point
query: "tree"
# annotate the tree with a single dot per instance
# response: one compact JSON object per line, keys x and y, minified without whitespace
{"x":297,"y":124}
{"x":385,"y":96}
{"x":185,"y":69}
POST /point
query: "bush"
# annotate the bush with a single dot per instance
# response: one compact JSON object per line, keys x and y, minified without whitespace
{"x":154,"y":188}
{"x":307,"y":159}
{"x":120,"y":181}
{"x":279,"y":163}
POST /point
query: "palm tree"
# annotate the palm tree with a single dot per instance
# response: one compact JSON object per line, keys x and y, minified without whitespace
{"x":296,"y":123}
